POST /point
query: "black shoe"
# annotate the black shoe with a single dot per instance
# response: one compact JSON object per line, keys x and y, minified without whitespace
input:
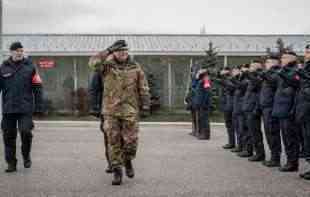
{"x":228,"y":146}
{"x":272,"y":163}
{"x":130,"y":172}
{"x":256,"y":158}
{"x":118,"y":176}
{"x":245,"y":154}
{"x":11,"y":168}
{"x":27,"y":163}
{"x":236,"y":149}
{"x":302,"y":155}
{"x":306,"y":176}
{"x":289,"y":167}
{"x":109,"y":169}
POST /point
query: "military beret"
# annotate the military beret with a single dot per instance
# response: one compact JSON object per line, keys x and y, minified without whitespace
{"x":118,"y":46}
{"x":16,"y":45}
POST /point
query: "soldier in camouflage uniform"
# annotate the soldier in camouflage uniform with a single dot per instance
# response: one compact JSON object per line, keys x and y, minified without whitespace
{"x":126,"y":92}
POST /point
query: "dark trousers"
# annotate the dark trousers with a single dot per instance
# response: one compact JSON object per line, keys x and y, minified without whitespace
{"x":202,"y":120}
{"x":106,"y":142}
{"x":306,"y":135}
{"x":10,"y":123}
{"x":272,"y":132}
{"x":290,"y":138}
{"x":253,"y":122}
{"x":241,"y":129}
{"x":194,"y":123}
{"x":230,"y":128}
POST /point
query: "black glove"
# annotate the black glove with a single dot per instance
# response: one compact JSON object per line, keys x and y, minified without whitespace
{"x":117,"y":45}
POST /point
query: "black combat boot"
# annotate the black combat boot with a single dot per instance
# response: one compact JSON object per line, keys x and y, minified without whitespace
{"x":289,"y":167}
{"x":245,"y":154}
{"x":130,"y":172}
{"x":272,"y":163}
{"x":118,"y":176}
{"x":237,"y":149}
{"x":305,"y":175}
{"x":228,"y":146}
{"x":27,"y":162}
{"x":11,"y":168}
{"x":109,"y":169}
{"x":257,"y":157}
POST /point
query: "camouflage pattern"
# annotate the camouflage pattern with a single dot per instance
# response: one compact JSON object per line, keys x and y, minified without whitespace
{"x":123,"y":138}
{"x":125,"y":92}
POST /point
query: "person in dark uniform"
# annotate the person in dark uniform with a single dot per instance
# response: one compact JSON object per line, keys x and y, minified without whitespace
{"x":266,"y":100}
{"x":303,"y":107}
{"x":21,"y":88}
{"x":283,"y":109}
{"x":189,"y":99}
{"x":240,"y":84}
{"x":201,"y":103}
{"x":251,"y":109}
{"x":95,"y":94}
{"x":245,"y":137}
{"x":226,"y":104}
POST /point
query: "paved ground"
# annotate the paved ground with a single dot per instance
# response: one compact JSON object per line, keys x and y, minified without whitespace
{"x":69,"y":162}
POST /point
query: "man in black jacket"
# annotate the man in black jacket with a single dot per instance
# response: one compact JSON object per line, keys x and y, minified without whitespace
{"x":283,"y":109}
{"x":303,"y":107}
{"x":95,"y":94}
{"x":226,"y":101}
{"x":250,"y":107}
{"x":21,"y":88}
{"x":266,"y":100}
{"x":244,"y":148}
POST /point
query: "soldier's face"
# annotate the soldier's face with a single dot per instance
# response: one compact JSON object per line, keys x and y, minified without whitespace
{"x":287,"y":58}
{"x":235,"y":72}
{"x":270,"y":63}
{"x":18,"y":54}
{"x":307,"y":54}
{"x":255,"y":66}
{"x":121,"y":56}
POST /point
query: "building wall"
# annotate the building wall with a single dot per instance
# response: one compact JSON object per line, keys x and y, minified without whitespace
{"x":171,"y":73}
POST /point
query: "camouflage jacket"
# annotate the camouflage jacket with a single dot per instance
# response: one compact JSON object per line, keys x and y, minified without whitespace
{"x":126,"y":90}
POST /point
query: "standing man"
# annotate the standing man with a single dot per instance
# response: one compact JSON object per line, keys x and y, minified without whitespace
{"x":126,"y":92}
{"x":21,"y":88}
{"x":266,"y":100}
{"x":237,"y":115}
{"x":252,"y":113}
{"x":283,"y":109}
{"x":227,"y":105}
{"x":201,"y":103}
{"x":303,"y":107}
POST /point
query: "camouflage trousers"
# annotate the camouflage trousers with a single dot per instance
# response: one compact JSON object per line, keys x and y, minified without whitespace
{"x":123,"y":138}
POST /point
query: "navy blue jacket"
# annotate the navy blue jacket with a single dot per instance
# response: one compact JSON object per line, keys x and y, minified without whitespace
{"x":284,"y":99}
{"x":251,"y":97}
{"x":303,"y":96}
{"x":20,"y":94}
{"x":227,"y":95}
{"x":201,"y":99}
{"x":269,"y":87}
{"x":240,"y":84}
{"x":95,"y":91}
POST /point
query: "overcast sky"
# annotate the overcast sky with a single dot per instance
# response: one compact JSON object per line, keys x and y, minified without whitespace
{"x":157,"y":16}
